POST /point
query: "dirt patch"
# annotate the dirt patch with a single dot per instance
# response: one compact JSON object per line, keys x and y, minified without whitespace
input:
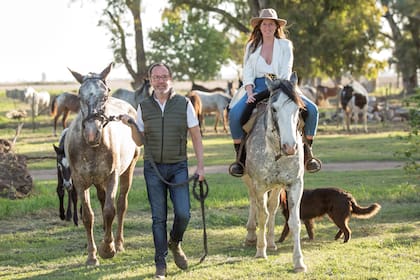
{"x":51,"y":174}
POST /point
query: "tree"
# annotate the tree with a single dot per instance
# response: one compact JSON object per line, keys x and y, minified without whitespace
{"x":194,"y":51}
{"x":119,"y":16}
{"x":330,"y":37}
{"x":403,"y":18}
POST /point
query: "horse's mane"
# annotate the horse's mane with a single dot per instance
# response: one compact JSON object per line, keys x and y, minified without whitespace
{"x":146,"y":82}
{"x":290,"y":90}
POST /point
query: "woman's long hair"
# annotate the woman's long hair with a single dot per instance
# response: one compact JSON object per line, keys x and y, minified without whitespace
{"x":256,"y":36}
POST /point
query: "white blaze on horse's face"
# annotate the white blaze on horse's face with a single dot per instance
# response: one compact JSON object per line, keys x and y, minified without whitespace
{"x":285,"y":116}
{"x":66,"y":174}
{"x":93,"y":94}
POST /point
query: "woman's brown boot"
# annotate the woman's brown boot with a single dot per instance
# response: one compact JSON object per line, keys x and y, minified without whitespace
{"x":236,"y":169}
{"x":311,"y":163}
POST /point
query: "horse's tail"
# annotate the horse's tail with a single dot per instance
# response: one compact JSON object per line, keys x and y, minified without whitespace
{"x":364,"y":212}
{"x":53,"y":109}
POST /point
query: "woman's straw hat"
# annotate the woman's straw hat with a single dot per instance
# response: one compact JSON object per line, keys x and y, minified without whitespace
{"x":267,"y":14}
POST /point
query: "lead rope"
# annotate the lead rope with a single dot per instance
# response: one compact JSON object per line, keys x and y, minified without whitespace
{"x":201,"y":197}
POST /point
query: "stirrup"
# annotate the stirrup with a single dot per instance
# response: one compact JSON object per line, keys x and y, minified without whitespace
{"x":314,"y":170}
{"x":234,"y":165}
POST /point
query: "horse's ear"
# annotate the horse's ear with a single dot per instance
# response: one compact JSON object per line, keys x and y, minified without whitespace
{"x":77,"y":76}
{"x":56,"y":149}
{"x":269,"y":83}
{"x":294,"y":78}
{"x":106,"y":71}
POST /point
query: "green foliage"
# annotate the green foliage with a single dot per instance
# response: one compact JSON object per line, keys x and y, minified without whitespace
{"x":330,"y":37}
{"x":188,"y":43}
{"x":403,"y":20}
{"x":412,"y":149}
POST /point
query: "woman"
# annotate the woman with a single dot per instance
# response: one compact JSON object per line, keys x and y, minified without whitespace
{"x":267,"y":52}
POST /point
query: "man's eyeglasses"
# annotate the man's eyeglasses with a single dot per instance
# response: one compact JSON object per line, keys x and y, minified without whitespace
{"x":162,"y":78}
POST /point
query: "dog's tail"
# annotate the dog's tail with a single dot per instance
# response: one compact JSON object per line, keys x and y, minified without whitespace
{"x":364,"y":212}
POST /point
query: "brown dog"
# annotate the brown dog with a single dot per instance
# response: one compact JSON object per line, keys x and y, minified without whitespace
{"x":338,"y":204}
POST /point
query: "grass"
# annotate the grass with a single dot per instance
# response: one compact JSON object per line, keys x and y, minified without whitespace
{"x":36,"y":244}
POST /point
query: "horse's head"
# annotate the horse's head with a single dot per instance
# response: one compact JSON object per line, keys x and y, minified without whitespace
{"x":345,"y":95}
{"x":284,"y":107}
{"x":93,"y":94}
{"x":142,"y":92}
{"x":63,"y":168}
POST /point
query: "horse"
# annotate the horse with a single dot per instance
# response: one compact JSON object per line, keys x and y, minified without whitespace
{"x":228,"y":90}
{"x":324,"y":93}
{"x":15,"y":93}
{"x":274,"y":161}
{"x":216,"y":102}
{"x":63,"y":104}
{"x":134,"y":98}
{"x":205,"y":89}
{"x":64,"y":182}
{"x":354,"y":100}
{"x":198,"y":107}
{"x":310,"y":92}
{"x":39,"y":101}
{"x":101,"y":152}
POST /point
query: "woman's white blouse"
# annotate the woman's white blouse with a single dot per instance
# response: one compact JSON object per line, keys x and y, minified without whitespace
{"x":281,"y":63}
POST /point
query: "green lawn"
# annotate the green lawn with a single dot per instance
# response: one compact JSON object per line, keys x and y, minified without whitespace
{"x":36,"y":244}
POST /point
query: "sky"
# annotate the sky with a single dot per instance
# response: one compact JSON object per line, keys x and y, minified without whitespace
{"x":41,"y":38}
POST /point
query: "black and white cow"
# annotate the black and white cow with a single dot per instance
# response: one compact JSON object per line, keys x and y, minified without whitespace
{"x":354,"y":101}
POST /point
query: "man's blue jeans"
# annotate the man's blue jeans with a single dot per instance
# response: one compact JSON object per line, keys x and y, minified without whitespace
{"x":157,"y":192}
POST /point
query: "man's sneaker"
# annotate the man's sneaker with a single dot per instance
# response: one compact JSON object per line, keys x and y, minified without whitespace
{"x":160,"y":273}
{"x":179,"y":256}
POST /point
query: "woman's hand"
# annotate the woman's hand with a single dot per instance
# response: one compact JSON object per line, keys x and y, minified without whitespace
{"x":251,"y":98}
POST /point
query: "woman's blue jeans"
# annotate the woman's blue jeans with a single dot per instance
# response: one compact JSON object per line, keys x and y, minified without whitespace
{"x":310,"y":116}
{"x":157,"y":192}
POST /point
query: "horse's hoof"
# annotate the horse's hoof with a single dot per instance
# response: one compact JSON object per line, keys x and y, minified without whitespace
{"x":260,"y":256}
{"x":250,"y":243}
{"x":92,"y":262}
{"x":300,"y":269}
{"x":272,"y":248}
{"x":107,"y":251}
{"x":119,"y":247}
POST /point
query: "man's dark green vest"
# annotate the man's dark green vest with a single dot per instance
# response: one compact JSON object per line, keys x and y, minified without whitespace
{"x":165,"y":133}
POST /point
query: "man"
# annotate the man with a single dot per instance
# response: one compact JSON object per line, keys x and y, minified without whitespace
{"x":164,"y":120}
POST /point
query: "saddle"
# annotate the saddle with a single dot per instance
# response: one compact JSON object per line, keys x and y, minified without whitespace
{"x":259,"y":110}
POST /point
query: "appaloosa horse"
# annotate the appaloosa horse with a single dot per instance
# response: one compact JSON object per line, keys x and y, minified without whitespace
{"x":63,"y":104}
{"x":134,"y":98}
{"x":274,"y":161}
{"x":101,"y":152}
{"x":64,"y":183}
